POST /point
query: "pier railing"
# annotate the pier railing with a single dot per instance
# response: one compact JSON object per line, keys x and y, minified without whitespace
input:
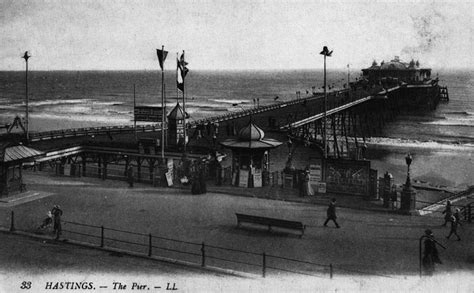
{"x":92,"y":131}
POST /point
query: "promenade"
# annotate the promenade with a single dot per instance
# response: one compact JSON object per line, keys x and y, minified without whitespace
{"x":369,"y":245}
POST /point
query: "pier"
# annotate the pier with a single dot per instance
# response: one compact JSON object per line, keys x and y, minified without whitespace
{"x":333,"y":127}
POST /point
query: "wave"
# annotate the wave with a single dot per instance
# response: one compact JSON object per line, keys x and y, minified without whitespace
{"x":452,"y":121}
{"x":85,"y":117}
{"x":230,"y":101}
{"x":436,"y":145}
{"x":466,"y":113}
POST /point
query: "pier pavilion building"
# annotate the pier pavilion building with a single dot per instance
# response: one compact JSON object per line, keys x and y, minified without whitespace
{"x":410,"y":73}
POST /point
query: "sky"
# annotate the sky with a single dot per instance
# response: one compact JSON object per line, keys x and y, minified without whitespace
{"x":233,"y":34}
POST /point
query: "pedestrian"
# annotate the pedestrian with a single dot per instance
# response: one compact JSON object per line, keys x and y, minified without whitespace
{"x":196,"y":179}
{"x":447,"y":213}
{"x":47,"y":221}
{"x":130,"y":176}
{"x":331,"y":213}
{"x":455,"y":221}
{"x":202,"y":180}
{"x":308,"y":189}
{"x":430,"y":253}
{"x":57,"y":212}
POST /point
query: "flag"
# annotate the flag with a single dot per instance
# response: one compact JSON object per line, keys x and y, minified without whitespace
{"x":179,"y":77}
{"x":182,"y":72}
{"x":182,"y":66}
{"x":161,"y":57}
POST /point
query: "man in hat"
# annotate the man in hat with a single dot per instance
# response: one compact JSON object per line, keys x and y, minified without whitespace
{"x":430,"y":253}
{"x":57,"y":213}
{"x":447,"y":213}
{"x":455,"y":221}
{"x":331,"y":213}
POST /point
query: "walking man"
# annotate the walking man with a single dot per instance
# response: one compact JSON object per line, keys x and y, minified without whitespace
{"x":455,"y":221}
{"x":331,"y":213}
{"x":447,"y":213}
{"x":57,"y":213}
{"x":430,"y":253}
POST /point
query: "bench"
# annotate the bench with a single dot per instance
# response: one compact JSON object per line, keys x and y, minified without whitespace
{"x":270,"y":222}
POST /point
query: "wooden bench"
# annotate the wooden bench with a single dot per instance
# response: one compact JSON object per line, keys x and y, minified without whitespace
{"x":270,"y":222}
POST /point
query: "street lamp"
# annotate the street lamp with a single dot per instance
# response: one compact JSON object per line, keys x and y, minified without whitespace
{"x":326,"y":53}
{"x":408,"y":160}
{"x":26,"y":57}
{"x":408,"y":198}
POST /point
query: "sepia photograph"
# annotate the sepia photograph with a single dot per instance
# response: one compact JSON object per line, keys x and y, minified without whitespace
{"x":236,"y":146}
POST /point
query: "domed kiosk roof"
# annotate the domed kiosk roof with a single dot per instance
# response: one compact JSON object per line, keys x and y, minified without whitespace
{"x":251,"y":137}
{"x":177,"y":113}
{"x":251,"y":132}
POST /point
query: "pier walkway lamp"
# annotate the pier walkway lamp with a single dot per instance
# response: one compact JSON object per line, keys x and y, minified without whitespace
{"x":326,"y":53}
{"x":26,"y":57}
{"x":408,"y":198}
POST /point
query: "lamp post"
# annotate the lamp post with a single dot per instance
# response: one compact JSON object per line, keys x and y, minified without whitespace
{"x":26,"y":57}
{"x":408,"y":160}
{"x":326,"y":53}
{"x":408,"y":198}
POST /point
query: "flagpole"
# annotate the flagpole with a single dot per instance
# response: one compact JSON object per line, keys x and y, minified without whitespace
{"x":166,"y":128}
{"x":134,"y":116}
{"x":27,"y":121}
{"x":177,"y":93}
{"x":325,"y":109}
{"x":184,"y":107}
{"x":163,"y":105}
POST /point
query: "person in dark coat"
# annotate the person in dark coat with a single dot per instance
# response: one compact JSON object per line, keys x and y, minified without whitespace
{"x":430,"y":253}
{"x":57,"y":213}
{"x":331,"y":213}
{"x":447,"y":213}
{"x":455,"y":221}
{"x":130,"y":176}
{"x":196,"y":179}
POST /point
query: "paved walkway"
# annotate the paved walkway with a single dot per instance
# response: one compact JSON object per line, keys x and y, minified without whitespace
{"x":368,"y":244}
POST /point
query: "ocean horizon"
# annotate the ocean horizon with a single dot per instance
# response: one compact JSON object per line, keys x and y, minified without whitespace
{"x":75,"y":99}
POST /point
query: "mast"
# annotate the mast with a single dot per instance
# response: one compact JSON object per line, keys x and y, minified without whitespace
{"x":163,"y":107}
{"x":184,"y":105}
{"x":134,"y":116}
{"x":325,"y":109}
{"x":26,"y":57}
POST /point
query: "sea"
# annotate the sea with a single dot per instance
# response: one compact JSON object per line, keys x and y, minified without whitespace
{"x":440,"y":141}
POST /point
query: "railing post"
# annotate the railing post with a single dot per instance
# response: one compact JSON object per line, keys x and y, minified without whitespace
{"x":101,"y":236}
{"x":149,"y":244}
{"x":264,"y":264}
{"x":203,"y":254}
{"x":331,"y":271}
{"x":12,"y":223}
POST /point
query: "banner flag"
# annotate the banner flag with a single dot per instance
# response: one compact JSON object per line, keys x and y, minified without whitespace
{"x":161,"y":57}
{"x":182,"y":71}
{"x":179,"y":77}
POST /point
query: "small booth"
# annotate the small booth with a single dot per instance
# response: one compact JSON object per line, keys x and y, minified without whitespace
{"x":250,"y":156}
{"x":176,"y":123}
{"x":12,"y":159}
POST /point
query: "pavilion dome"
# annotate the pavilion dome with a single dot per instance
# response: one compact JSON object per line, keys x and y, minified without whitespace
{"x":251,"y":132}
{"x":394,"y":64}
